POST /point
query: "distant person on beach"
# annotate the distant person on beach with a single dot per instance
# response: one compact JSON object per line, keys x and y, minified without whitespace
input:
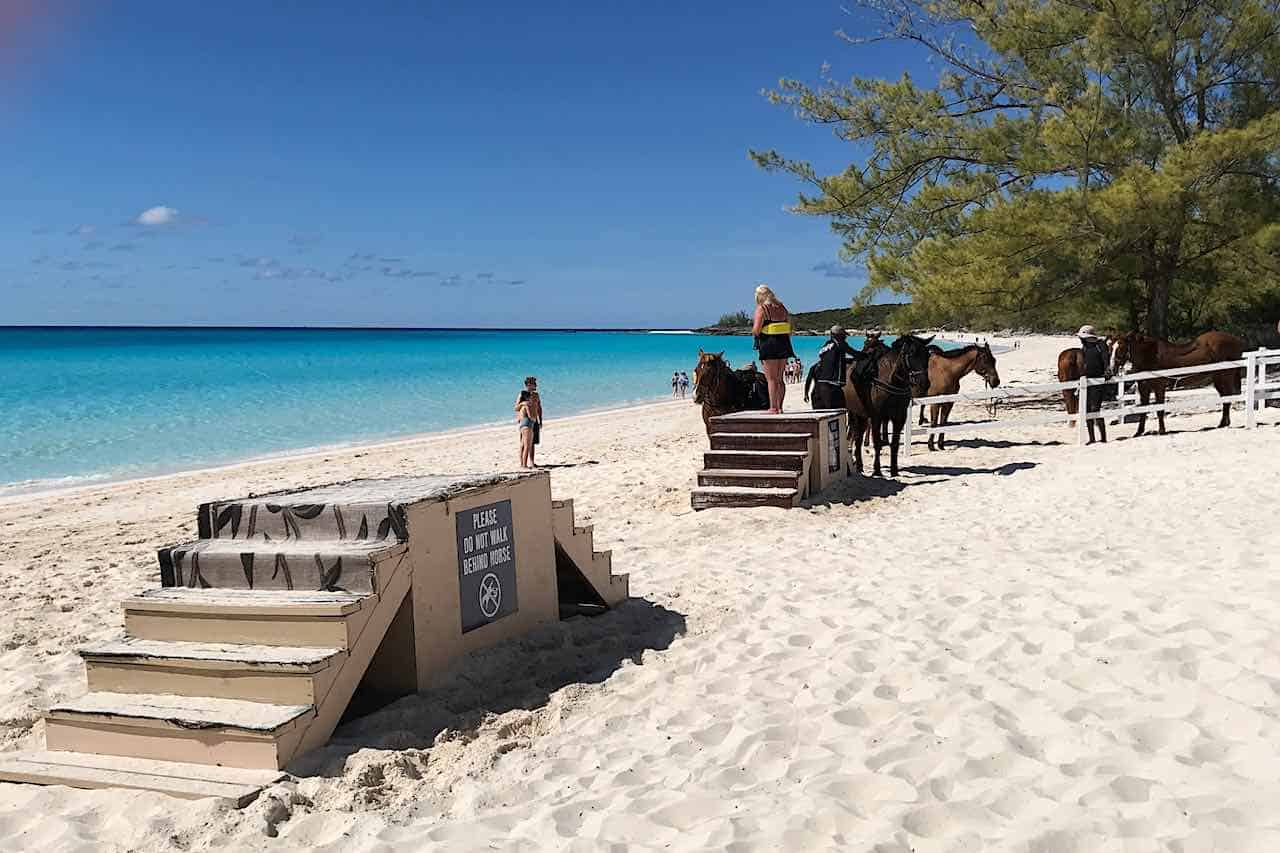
{"x":524,"y":424}
{"x":530,"y":395}
{"x":675,"y":384}
{"x":772,"y":330}
{"x":828,"y":374}
{"x":1096,"y":358}
{"x":684,"y":385}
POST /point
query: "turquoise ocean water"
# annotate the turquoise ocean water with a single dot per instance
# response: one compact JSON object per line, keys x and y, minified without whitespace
{"x":79,"y":405}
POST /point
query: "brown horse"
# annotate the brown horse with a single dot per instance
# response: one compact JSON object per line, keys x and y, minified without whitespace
{"x":1147,"y":353}
{"x":946,"y":369}
{"x":720,"y":390}
{"x":885,"y":397}
{"x":1071,"y":368}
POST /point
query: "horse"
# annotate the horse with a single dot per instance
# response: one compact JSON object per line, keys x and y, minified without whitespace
{"x":901,"y":372}
{"x":1148,"y":353}
{"x":946,"y":369}
{"x":720,"y":390}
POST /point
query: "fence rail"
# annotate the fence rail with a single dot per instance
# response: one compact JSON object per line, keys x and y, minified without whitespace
{"x":1256,"y":390}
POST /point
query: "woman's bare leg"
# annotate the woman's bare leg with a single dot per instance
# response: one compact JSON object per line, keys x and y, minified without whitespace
{"x":777,"y":388}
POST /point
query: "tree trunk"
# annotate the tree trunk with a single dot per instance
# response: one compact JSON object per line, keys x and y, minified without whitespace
{"x":1158,"y":288}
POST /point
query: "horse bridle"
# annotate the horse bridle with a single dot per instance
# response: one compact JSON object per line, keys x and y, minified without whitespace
{"x":706,"y":387}
{"x":913,"y":376}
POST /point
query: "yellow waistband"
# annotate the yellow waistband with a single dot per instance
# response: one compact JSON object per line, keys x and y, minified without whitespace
{"x":775,"y":329}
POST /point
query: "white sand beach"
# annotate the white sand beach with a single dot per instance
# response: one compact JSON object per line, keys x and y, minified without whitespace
{"x":1020,"y":645}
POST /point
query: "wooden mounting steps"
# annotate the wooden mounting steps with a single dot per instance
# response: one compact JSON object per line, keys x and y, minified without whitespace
{"x":233,"y":785}
{"x":759,"y":459}
{"x":576,"y":545}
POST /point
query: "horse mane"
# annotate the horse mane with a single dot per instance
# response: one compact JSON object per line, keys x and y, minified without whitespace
{"x":953,"y":353}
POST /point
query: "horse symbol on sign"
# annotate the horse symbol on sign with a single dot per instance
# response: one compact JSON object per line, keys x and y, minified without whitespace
{"x":490,"y":595}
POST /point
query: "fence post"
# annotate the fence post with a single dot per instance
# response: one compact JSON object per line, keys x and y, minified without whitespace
{"x":905,"y":450}
{"x":1251,"y":384}
{"x":1082,"y":409}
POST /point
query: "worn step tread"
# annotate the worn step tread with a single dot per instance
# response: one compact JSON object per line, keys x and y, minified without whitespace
{"x":239,"y":786}
{"x":766,"y":436}
{"x":186,"y":711}
{"x":247,"y":602}
{"x":371,"y":548}
{"x":250,"y":656}
{"x":762,"y":491}
{"x":777,"y":454}
{"x":758,"y":473}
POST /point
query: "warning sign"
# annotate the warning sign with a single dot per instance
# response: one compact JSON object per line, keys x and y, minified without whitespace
{"x":833,"y":445}
{"x":486,"y":564}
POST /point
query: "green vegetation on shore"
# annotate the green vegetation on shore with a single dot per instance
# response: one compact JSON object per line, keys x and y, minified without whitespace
{"x":814,"y":322}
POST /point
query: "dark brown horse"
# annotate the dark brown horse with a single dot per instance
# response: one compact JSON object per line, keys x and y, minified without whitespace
{"x":1147,"y":353}
{"x":720,"y":390}
{"x":885,"y":397}
{"x":946,"y":369}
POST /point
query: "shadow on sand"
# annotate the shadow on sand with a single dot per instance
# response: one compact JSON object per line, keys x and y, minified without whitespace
{"x":520,"y":674}
{"x":960,"y":471}
{"x":860,"y":488}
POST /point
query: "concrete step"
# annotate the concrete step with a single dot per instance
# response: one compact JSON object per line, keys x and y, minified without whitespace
{"x":283,"y":675}
{"x":750,"y":477}
{"x":707,"y":497}
{"x":258,"y":616}
{"x":770,"y":460}
{"x":236,"y":786}
{"x":286,"y":564}
{"x":195,"y":730}
{"x":299,"y":516}
{"x":795,"y":441}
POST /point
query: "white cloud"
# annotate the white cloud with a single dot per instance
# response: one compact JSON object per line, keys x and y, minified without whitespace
{"x":158,"y":215}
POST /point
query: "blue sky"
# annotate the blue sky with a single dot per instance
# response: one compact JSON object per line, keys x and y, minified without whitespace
{"x":425,"y":164}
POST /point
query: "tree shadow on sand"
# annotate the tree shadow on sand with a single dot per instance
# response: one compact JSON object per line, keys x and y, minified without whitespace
{"x":520,"y":674}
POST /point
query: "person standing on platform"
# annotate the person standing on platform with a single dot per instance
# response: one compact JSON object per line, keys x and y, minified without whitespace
{"x":829,"y":373}
{"x":772,"y":330}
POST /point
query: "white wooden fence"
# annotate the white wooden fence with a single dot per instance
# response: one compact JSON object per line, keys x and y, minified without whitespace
{"x":1255,"y":391}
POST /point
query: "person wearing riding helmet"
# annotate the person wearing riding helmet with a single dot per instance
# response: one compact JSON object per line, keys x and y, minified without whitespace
{"x":828,"y":374}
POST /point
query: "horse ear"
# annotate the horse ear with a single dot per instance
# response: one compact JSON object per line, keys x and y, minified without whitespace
{"x":700,"y":352}
{"x":720,"y":354}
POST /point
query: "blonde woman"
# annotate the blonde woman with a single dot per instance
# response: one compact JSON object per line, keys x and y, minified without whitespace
{"x":772,"y":330}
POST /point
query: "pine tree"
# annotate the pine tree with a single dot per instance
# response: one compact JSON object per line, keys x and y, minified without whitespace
{"x":1116,"y":159}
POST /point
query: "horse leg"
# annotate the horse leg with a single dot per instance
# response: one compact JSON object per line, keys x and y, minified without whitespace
{"x":933,"y":422}
{"x":1144,"y":397}
{"x":893,"y":443}
{"x":858,"y":429}
{"x":942,"y":421}
{"x":1226,"y":385}
{"x":877,"y":427}
{"x":1160,"y":389}
{"x":922,"y":416}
